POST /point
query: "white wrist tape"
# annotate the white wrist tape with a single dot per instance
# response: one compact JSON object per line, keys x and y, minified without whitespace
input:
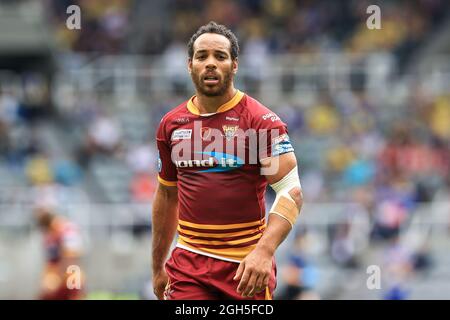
{"x":284,"y":205}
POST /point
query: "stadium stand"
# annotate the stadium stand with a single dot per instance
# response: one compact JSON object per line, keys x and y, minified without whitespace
{"x":369,"y":114}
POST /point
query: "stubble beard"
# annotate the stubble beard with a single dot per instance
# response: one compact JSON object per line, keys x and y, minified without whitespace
{"x":202,"y":89}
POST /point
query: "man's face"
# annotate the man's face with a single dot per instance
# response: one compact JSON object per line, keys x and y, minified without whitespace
{"x":211,"y":66}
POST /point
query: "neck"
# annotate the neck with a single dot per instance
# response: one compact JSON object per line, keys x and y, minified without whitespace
{"x":207,"y":104}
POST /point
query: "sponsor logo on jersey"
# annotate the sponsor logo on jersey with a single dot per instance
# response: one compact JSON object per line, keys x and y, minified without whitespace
{"x":272,"y":116}
{"x":182,"y":120}
{"x":195,"y":163}
{"x":280,"y":138}
{"x":281,"y":145}
{"x":216,"y":162}
{"x":159,"y":163}
{"x":229,"y":131}
{"x":231,"y":118}
{"x":182,"y":134}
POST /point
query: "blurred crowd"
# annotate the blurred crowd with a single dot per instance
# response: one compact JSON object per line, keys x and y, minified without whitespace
{"x":263,"y":26}
{"x":387,"y":158}
{"x":25,"y":109}
{"x":21,"y":106}
{"x":104,"y":25}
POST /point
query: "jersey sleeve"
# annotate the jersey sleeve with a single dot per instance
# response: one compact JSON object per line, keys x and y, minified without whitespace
{"x":273,"y":138}
{"x":167,"y":172}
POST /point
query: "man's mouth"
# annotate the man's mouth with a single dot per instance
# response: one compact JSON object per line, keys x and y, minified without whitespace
{"x":211,"y":80}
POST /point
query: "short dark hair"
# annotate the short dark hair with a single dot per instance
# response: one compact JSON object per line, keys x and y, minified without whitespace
{"x":213,"y":27}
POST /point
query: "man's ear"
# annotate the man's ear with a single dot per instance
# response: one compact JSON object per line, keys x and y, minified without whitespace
{"x":190,"y":65}
{"x":235,"y":65}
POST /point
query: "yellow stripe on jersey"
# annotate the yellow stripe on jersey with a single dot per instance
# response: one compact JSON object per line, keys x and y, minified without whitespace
{"x":167,"y":183}
{"x":220,"y":235}
{"x":217,"y":242}
{"x":232,"y":103}
{"x":189,"y":238}
{"x":221,"y":226}
{"x":268,"y":295}
{"x":237,"y":254}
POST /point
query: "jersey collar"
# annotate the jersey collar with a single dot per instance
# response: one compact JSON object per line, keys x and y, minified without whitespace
{"x":225,"y":107}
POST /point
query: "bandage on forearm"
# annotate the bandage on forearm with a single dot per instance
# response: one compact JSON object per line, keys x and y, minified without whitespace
{"x":284,"y":205}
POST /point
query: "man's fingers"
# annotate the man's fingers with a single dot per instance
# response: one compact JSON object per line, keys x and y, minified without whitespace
{"x":259,"y":285}
{"x":239,"y":271}
{"x":262,"y":283}
{"x":244,"y":280}
{"x":159,"y":294}
{"x":266,"y":281}
{"x":160,"y":282}
{"x":249,"y":291}
{"x":159,"y":290}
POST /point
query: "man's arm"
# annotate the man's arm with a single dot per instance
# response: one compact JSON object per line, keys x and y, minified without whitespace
{"x":164,"y":222}
{"x":254,"y":271}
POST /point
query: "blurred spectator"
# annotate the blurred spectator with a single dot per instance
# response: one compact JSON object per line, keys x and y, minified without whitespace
{"x":359,"y":172}
{"x":322,"y":119}
{"x":255,"y":55}
{"x":38,"y":170}
{"x":104,"y":134}
{"x":142,"y":158}
{"x":4,"y":138}
{"x":103,"y":137}
{"x":63,"y":247}
{"x":143,"y":187}
{"x":440,"y":118}
{"x":422,"y":259}
{"x":66,"y":172}
{"x":36,"y":100}
{"x":299,"y":274}
{"x":394,"y":204}
{"x":397,"y":270}
{"x":174,"y":62}
{"x":343,"y":249}
{"x":9,"y":107}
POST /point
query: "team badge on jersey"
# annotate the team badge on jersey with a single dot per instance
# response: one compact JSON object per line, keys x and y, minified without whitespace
{"x":281,"y":145}
{"x":229,"y":131}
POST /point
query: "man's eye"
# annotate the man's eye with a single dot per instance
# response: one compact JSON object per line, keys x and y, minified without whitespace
{"x":201,"y":57}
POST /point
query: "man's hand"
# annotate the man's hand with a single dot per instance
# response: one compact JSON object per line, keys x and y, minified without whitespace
{"x":160,"y":280}
{"x":254,"y":272}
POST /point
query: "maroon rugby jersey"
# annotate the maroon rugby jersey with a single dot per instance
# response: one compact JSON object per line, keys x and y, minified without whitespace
{"x":214,"y":160}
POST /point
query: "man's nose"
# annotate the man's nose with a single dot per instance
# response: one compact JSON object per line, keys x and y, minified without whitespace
{"x":211,"y":63}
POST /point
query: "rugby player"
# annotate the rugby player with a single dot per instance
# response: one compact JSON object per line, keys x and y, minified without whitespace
{"x":63,"y":248}
{"x":217,"y":153}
